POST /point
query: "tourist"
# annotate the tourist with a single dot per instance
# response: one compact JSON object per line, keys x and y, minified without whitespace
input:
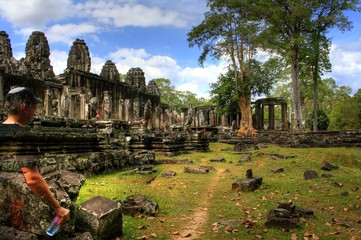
{"x":21,"y":105}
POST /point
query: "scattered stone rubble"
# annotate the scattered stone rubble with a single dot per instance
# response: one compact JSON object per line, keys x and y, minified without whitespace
{"x":248,"y":184}
{"x":139,"y":204}
{"x":286,"y":216}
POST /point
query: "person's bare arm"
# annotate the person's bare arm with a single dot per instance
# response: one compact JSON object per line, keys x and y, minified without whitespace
{"x":40,"y":188}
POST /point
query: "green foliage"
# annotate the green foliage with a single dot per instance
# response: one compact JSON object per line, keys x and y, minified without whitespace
{"x":346,"y":113}
{"x":122,"y":77}
{"x":177,"y":99}
{"x":322,"y":120}
{"x":225,"y":92}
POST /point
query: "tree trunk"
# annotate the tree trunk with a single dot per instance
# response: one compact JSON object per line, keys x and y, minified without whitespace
{"x":296,"y":88}
{"x":315,"y":85}
{"x":246,"y":129}
{"x":315,"y":98}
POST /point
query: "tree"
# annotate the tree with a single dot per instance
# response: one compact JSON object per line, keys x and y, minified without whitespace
{"x":223,"y":94}
{"x":323,"y":120}
{"x":174,"y":98}
{"x":229,"y":30}
{"x":296,"y":27}
{"x":326,"y":15}
{"x":346,"y":110}
{"x":122,"y":77}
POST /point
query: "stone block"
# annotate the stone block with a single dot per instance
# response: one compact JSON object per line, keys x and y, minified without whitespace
{"x":100,"y":216}
{"x":139,"y":204}
{"x":276,"y":218}
{"x":9,"y":233}
{"x":168,"y":174}
{"x":20,"y":208}
{"x":245,"y":158}
{"x":195,"y":170}
{"x":247,"y":185}
{"x":310,"y":174}
{"x":278,"y":170}
{"x":328,"y":166}
{"x":72,"y":182}
{"x":217,"y":160}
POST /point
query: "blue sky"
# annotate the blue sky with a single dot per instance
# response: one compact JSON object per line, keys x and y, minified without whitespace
{"x":150,"y":34}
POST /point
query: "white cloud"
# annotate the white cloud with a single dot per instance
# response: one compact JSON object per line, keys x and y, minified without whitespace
{"x":67,"y":33}
{"x":196,"y":80}
{"x":346,"y":65}
{"x":35,"y":13}
{"x":130,"y":13}
{"x":58,"y":59}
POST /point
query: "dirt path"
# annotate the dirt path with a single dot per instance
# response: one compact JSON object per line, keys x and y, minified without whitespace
{"x":197,"y":221}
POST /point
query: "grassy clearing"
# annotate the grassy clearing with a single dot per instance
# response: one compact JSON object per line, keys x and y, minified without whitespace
{"x":181,"y":198}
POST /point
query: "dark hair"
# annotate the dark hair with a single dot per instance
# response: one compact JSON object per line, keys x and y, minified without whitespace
{"x":19,"y":95}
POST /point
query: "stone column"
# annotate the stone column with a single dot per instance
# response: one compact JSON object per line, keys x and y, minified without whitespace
{"x":262,"y":118}
{"x":258,"y":116}
{"x":271,"y":116}
{"x":121,"y":109}
{"x":126,"y":109}
{"x":284,"y":116}
{"x":212,"y":121}
{"x":223,"y":120}
{"x":83,"y":111}
{"x":238,"y":123}
{"x":47,"y":103}
{"x":72,"y":102}
{"x":1,"y":90}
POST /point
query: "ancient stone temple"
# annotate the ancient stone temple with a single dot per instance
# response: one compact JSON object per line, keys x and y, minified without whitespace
{"x":110,"y":71}
{"x":78,"y":93}
{"x":271,"y":104}
{"x":135,"y":77}
{"x":37,"y":62}
{"x":7,"y":61}
{"x":79,"y":57}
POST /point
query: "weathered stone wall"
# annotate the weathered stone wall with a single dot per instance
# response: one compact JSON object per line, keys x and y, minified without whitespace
{"x":313,"y":139}
{"x":350,"y":138}
{"x":77,"y":93}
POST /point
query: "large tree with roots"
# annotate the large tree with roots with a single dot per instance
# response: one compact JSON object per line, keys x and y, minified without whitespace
{"x":229,"y":31}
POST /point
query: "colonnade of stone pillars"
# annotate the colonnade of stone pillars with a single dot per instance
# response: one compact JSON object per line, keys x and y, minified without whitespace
{"x":271,"y":103}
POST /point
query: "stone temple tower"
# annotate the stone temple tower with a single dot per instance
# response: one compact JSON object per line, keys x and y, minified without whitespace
{"x":110,"y":71}
{"x":79,"y":57}
{"x":37,"y":54}
{"x":135,"y":77}
{"x":7,"y":61}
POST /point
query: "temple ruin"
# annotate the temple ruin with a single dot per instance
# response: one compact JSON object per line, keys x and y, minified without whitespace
{"x":79,"y":94}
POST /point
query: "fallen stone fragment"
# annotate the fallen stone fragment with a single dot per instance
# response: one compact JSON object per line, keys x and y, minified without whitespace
{"x":310,"y":174}
{"x":217,"y":160}
{"x":326,"y":175}
{"x":328,"y":166}
{"x":195,"y":170}
{"x":139,"y":204}
{"x":278,"y":170}
{"x":168,"y":174}
{"x":245,"y":158}
{"x":286,"y":216}
{"x":247,"y":184}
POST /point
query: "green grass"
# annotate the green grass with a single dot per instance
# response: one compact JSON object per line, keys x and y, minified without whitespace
{"x":180,"y":197}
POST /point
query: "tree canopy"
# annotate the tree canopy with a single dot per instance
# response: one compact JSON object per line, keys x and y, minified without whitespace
{"x":294,"y":30}
{"x":175,"y":98}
